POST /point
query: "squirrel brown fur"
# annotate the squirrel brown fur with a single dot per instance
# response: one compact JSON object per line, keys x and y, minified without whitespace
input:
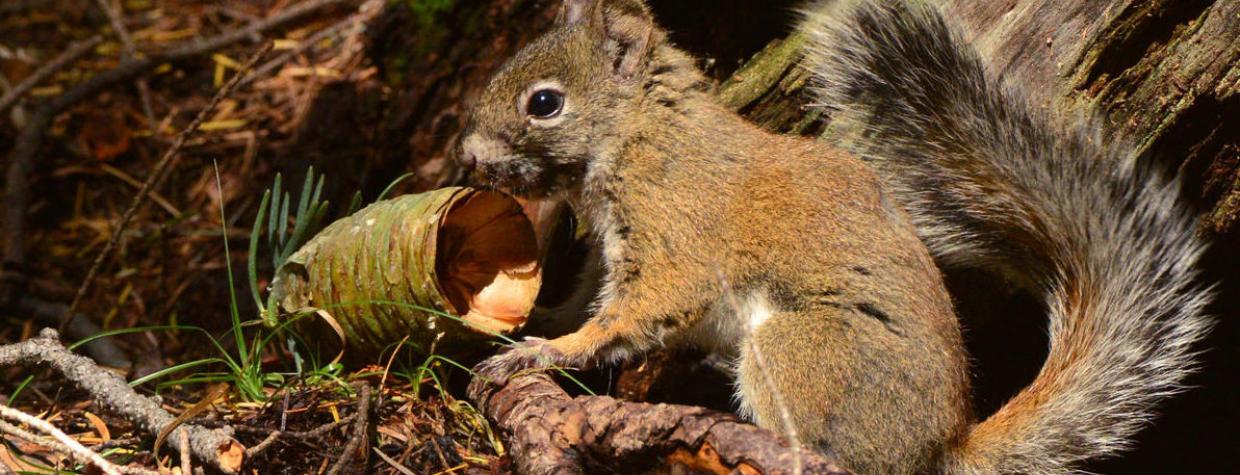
{"x":813,"y":263}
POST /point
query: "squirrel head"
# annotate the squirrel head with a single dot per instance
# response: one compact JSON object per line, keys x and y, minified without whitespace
{"x":547,"y":115}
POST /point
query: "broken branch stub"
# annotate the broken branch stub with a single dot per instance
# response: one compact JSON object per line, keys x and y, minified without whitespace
{"x":389,"y":270}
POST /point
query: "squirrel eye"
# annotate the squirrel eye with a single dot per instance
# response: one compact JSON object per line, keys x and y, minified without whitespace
{"x":545,"y":103}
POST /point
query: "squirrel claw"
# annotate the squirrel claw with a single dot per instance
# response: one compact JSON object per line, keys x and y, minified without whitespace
{"x":532,"y":353}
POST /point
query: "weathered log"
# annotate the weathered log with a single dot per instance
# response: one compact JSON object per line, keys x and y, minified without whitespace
{"x":549,"y":432}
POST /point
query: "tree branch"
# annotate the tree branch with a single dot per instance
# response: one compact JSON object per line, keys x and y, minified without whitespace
{"x":549,"y":432}
{"x":213,"y":446}
{"x":73,"y":53}
{"x":361,"y":428}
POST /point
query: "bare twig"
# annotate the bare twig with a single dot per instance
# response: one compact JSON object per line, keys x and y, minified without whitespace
{"x":66,"y":58}
{"x":187,"y":466}
{"x":130,"y":51}
{"x":102,"y":350}
{"x":76,"y":450}
{"x":170,"y":158}
{"x":56,"y":446}
{"x":393,"y":463}
{"x":213,"y":446}
{"x":155,"y":197}
{"x":27,"y":144}
{"x":276,"y":435}
{"x":365,"y":12}
{"x":30,"y":437}
{"x":118,"y":27}
{"x":308,"y":434}
{"x":360,"y":428}
{"x":284,"y":410}
{"x":271,"y":438}
{"x":117,"y":442}
{"x":270,"y":66}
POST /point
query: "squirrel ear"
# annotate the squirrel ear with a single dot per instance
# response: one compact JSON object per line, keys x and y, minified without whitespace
{"x":628,"y":27}
{"x":573,"y":12}
{"x":634,"y":37}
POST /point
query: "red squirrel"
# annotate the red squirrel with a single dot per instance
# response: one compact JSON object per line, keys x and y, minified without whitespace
{"x":812,"y":262}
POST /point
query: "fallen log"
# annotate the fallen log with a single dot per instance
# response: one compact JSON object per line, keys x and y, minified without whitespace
{"x":548,"y":431}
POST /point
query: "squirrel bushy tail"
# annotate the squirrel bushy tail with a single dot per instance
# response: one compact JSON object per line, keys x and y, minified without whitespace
{"x":989,"y":181}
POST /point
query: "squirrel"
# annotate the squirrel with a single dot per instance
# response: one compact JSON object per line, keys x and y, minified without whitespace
{"x":813,"y":262}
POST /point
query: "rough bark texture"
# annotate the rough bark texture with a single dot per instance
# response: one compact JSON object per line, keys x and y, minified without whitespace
{"x":549,"y":432}
{"x":1165,"y":73}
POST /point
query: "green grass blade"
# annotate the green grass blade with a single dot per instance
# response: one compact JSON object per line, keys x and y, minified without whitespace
{"x":199,"y":379}
{"x":20,"y":387}
{"x":282,"y":327}
{"x":354,"y":204}
{"x":317,"y":218}
{"x":131,"y":330}
{"x":252,"y":261}
{"x":318,"y":193}
{"x":309,"y":213}
{"x":282,"y":226}
{"x":303,"y":198}
{"x":234,"y":312}
{"x":173,"y":369}
{"x":272,"y":219}
{"x":392,"y":186}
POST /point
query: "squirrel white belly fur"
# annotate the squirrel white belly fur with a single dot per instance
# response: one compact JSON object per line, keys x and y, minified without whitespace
{"x":813,"y":262}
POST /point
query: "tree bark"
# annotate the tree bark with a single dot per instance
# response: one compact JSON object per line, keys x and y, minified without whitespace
{"x":1164,"y":73}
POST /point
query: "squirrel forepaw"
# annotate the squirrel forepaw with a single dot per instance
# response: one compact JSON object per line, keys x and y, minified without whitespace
{"x":529,"y":354}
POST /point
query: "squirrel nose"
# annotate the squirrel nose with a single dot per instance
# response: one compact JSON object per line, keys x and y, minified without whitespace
{"x":474,"y":149}
{"x":467,"y":158}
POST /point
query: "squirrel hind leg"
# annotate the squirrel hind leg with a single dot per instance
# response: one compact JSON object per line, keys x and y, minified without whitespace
{"x":853,"y":389}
